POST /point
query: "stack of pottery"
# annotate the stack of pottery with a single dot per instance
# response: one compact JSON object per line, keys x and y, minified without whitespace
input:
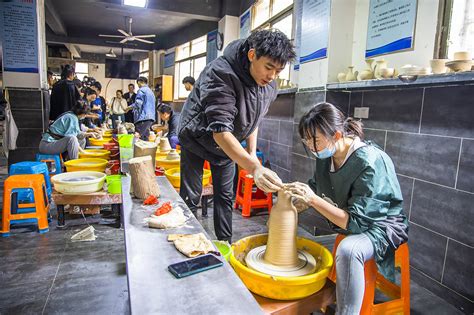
{"x":368,"y":73}
{"x":350,"y":75}
{"x":411,"y":70}
{"x":462,"y":62}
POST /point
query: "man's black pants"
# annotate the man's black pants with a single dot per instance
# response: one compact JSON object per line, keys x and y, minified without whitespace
{"x":222,"y":181}
{"x":143,"y":128}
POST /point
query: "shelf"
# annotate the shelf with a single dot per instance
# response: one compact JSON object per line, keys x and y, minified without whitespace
{"x":434,"y":79}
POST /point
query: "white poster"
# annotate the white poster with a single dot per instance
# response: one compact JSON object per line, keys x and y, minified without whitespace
{"x":314,"y":30}
{"x":245,"y":24}
{"x":391,"y":26}
{"x":19,"y":35}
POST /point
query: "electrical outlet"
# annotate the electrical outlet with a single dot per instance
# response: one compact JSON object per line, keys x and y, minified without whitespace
{"x":361,"y":112}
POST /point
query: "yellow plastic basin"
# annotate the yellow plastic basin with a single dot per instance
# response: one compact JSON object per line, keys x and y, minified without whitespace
{"x":159,"y":154}
{"x":281,"y":288}
{"x":167,"y":164}
{"x":95,"y":153}
{"x":99,"y":142}
{"x":173,"y":176}
{"x":86,"y":164}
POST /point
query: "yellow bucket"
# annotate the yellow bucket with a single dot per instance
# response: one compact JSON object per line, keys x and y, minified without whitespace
{"x":281,"y":288}
{"x":173,"y":176}
{"x":167,"y":164}
{"x":95,"y":153}
{"x":99,"y":142}
{"x":86,"y":164}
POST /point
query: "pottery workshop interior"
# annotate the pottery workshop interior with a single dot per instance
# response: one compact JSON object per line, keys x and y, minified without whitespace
{"x":237,"y":157}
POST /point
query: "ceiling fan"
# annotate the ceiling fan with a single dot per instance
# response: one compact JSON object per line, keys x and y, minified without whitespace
{"x":128,"y":36}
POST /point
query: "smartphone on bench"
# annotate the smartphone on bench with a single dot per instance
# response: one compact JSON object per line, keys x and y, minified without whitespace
{"x":195,"y":265}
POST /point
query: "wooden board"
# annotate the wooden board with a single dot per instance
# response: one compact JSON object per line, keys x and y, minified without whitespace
{"x":321,"y":299}
{"x":97,"y":198}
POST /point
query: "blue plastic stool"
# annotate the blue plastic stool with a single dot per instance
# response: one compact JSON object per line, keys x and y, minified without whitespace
{"x":260,"y":156}
{"x":53,"y":161}
{"x":29,"y":167}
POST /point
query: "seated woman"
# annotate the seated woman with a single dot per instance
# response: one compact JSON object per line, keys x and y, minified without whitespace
{"x":65,"y":135}
{"x":355,"y":187}
{"x":172,"y":119}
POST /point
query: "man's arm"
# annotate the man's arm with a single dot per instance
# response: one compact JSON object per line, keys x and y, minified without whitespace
{"x":235,"y":151}
{"x":252,"y":143}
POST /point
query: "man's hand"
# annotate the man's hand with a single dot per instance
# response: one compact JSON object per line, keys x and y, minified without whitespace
{"x":266,"y":179}
{"x":129,"y":108}
{"x":301,"y":192}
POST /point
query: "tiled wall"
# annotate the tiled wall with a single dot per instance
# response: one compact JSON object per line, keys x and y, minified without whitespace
{"x":275,"y":135}
{"x":429,"y":134}
{"x":28,"y":112}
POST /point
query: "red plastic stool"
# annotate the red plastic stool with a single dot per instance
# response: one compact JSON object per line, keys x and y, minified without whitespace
{"x":400,"y":295}
{"x":247,"y":198}
{"x":11,"y":205}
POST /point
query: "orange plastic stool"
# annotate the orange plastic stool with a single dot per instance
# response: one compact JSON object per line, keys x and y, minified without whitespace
{"x":247,"y":198}
{"x":400,"y":295}
{"x":41,"y":204}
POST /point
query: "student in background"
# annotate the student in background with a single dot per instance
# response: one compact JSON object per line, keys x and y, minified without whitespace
{"x":130,"y":98}
{"x":118,"y":106}
{"x":188,"y":83}
{"x":143,"y":109}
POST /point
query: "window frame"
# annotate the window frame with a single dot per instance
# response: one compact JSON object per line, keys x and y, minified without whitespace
{"x":272,"y":19}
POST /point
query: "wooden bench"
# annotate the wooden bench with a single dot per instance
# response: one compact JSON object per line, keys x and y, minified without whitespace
{"x":93,"y":201}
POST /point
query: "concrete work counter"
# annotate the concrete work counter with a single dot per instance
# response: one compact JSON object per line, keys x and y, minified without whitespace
{"x":153,"y":289}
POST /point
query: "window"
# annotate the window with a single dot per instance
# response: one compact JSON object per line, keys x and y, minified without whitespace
{"x":275,"y":14}
{"x":461,"y":30}
{"x":145,"y":68}
{"x":286,"y":26}
{"x":457,"y":29}
{"x":265,"y":10}
{"x":199,"y":46}
{"x":82,"y":70}
{"x":280,"y":5}
{"x":190,"y":61}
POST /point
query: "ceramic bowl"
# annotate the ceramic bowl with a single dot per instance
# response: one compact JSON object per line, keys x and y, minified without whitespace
{"x":459,"y":65}
{"x":438,"y":65}
{"x":462,"y":56}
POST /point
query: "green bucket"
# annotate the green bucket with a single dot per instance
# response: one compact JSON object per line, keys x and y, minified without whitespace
{"x":114,"y":184}
{"x":125,"y":140}
{"x":224,"y":248}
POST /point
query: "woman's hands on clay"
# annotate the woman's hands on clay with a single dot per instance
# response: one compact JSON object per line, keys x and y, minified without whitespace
{"x":301,"y":192}
{"x":266,"y":179}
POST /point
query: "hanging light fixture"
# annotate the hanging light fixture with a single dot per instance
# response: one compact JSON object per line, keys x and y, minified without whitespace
{"x":111,"y":53}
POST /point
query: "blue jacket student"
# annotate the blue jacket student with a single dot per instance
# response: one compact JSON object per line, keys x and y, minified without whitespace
{"x":144,"y":109}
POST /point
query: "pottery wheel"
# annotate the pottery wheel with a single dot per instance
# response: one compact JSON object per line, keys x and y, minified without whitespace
{"x":306,"y":264}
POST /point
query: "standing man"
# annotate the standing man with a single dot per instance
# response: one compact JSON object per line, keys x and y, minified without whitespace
{"x":64,"y":94}
{"x":188,"y":83}
{"x":228,"y":102}
{"x":130,"y":98}
{"x":143,"y":109}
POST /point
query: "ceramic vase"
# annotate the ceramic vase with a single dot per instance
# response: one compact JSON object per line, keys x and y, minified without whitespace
{"x":368,"y":73}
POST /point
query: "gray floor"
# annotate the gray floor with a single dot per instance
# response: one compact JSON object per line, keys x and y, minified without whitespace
{"x":49,"y":274}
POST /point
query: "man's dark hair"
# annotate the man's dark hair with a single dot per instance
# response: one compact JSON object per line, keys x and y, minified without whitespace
{"x":98,"y":85}
{"x":89,"y":91}
{"x":131,"y":84}
{"x":189,"y":80}
{"x":164,"y":108}
{"x":142,"y":79}
{"x":67,"y":71}
{"x":121,"y":92}
{"x":273,"y":44}
{"x":80,"y":108}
